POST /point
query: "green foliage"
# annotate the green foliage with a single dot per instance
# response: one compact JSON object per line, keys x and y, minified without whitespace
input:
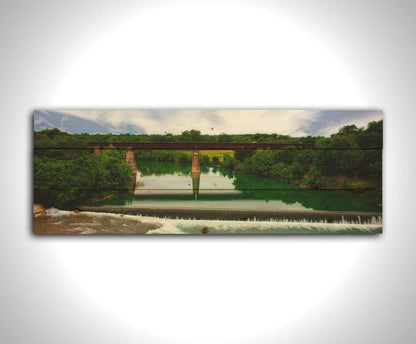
{"x":158,"y":168}
{"x":204,"y":159}
{"x":348,"y":130}
{"x":156,"y":155}
{"x":242,"y":155}
{"x":190,"y":136}
{"x":314,"y":178}
{"x":65,"y":182}
{"x":261,"y":163}
{"x":353,"y":152}
{"x":183,"y":157}
{"x":228,"y":161}
{"x":296,"y":172}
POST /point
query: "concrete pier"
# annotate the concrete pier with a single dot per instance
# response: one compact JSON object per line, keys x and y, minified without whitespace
{"x":131,"y":161}
{"x":195,"y":162}
{"x":97,"y":150}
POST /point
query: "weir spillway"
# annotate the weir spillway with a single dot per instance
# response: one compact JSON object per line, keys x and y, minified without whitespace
{"x":245,"y":215}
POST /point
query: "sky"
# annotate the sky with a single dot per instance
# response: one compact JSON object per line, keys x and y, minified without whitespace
{"x":210,"y":121}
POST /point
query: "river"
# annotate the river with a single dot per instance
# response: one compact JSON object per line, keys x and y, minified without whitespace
{"x":170,"y":185}
{"x":165,"y":185}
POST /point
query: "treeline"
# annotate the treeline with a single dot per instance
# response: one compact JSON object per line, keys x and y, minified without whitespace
{"x":168,"y":155}
{"x":159,"y":168}
{"x":348,"y":137}
{"x":352,"y":158}
{"x":54,"y":138}
{"x":64,"y":179}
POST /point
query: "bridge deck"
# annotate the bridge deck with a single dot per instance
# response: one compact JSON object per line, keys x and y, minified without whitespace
{"x":200,"y":146}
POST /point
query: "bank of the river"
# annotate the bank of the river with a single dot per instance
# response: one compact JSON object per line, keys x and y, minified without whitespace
{"x":339,"y":183}
{"x":70,"y":222}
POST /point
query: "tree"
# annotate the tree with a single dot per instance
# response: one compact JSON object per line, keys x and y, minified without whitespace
{"x":296,"y":172}
{"x":348,"y":130}
{"x":314,"y":177}
{"x":242,"y":155}
{"x":191,"y":136}
{"x":65,"y":182}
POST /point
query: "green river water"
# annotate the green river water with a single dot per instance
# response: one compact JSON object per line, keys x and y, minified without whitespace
{"x":170,"y":185}
{"x":164,"y":185}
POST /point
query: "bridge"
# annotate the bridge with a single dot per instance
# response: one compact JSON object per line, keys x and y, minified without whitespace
{"x":194,"y":146}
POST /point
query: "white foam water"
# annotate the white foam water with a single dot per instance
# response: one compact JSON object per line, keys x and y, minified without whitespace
{"x":193,"y":226}
{"x":170,"y":226}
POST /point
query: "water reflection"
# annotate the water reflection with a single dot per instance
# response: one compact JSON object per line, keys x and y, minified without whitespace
{"x":164,"y":184}
{"x":159,"y":168}
{"x":196,"y":176}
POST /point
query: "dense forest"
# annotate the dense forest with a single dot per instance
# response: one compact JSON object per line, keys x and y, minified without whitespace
{"x":66,"y":171}
{"x":63,"y":178}
{"x":352,"y":158}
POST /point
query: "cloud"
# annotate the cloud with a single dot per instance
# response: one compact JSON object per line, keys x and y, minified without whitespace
{"x":211,"y":121}
{"x":330,"y":121}
{"x":286,"y":122}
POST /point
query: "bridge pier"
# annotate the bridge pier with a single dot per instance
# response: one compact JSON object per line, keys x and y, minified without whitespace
{"x":131,"y":161}
{"x":195,"y":162}
{"x":196,"y":173}
{"x":97,"y":150}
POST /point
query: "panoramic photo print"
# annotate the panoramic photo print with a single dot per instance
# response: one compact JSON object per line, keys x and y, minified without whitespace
{"x":207,"y":172}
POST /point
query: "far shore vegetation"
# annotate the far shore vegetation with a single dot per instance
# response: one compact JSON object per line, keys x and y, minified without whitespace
{"x":67,"y":173}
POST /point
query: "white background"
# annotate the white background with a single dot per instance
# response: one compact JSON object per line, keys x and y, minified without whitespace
{"x":229,"y":54}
